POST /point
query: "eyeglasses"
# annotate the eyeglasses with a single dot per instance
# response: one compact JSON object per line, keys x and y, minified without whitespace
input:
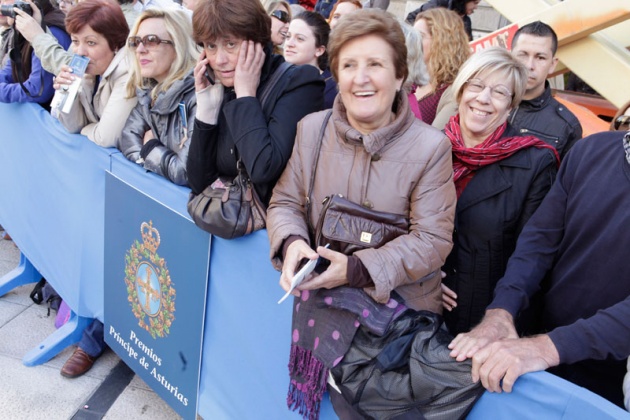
{"x":281,"y":15}
{"x":499,"y":92}
{"x":622,"y":123}
{"x":149,"y":41}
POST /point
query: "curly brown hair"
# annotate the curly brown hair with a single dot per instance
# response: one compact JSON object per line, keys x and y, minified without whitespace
{"x":449,"y":45}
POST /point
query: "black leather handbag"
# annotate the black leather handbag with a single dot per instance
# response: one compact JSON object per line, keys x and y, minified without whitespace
{"x":407,"y":372}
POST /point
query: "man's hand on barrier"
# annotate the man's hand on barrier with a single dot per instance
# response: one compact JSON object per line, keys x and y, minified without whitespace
{"x":499,"y":364}
{"x":496,"y":325}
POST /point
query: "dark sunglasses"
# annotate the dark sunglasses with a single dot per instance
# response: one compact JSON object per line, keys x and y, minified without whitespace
{"x":149,"y":41}
{"x":622,"y":123}
{"x":281,"y":15}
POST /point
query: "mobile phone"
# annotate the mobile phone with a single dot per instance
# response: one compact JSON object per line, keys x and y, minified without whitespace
{"x":209,"y":74}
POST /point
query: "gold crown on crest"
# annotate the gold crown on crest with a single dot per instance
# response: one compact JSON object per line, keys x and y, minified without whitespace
{"x":150,"y":236}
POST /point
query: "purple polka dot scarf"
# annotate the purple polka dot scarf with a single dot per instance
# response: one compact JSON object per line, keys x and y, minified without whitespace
{"x":324,"y":324}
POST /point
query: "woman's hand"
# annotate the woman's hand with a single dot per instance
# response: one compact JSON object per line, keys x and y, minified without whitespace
{"x":28,"y":26}
{"x":248,"y":68}
{"x":335,"y":274}
{"x":64,"y":78}
{"x":209,"y":94}
{"x":295,"y":253}
{"x":449,"y":298}
{"x":148,"y":135}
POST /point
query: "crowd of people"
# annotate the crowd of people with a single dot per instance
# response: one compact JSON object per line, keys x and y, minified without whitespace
{"x":513,"y":223}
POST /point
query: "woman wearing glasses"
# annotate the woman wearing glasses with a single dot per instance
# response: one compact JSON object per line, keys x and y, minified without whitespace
{"x":98,"y":30}
{"x":500,"y":179}
{"x":158,"y":130}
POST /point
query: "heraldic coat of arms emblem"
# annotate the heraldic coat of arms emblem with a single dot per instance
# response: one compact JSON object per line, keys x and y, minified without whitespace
{"x":149,"y":287}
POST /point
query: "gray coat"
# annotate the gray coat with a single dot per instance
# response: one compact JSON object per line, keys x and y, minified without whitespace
{"x":167,"y":153}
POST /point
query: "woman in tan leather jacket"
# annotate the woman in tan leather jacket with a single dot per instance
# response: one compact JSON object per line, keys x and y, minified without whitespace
{"x":373,"y":152}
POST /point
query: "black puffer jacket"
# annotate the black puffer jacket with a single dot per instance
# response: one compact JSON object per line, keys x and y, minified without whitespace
{"x":490,"y":214}
{"x":549,"y":120}
{"x":262,"y":137}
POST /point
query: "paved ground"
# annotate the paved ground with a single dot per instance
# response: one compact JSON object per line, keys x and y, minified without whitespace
{"x":40,"y":392}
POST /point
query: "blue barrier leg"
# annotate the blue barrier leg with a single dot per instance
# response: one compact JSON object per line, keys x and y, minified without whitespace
{"x":22,"y":274}
{"x":68,"y":334}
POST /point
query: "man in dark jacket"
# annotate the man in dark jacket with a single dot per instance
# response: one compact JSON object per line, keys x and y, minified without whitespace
{"x":578,"y":240}
{"x":539,"y":114}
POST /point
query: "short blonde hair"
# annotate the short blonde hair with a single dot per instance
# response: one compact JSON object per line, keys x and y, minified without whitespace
{"x":179,"y":27}
{"x":494,"y":60}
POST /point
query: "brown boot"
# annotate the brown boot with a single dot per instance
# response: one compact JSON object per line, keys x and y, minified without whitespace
{"x":79,"y":363}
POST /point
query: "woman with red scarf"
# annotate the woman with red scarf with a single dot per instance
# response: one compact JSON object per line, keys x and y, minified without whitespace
{"x":500,"y":177}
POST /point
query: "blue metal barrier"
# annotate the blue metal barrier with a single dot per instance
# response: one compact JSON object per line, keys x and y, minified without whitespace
{"x":52,"y":204}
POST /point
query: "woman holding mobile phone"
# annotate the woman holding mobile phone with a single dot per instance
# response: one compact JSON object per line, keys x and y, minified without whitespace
{"x":231,"y":122}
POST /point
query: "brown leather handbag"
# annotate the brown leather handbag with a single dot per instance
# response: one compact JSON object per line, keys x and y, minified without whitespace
{"x":347,"y":226}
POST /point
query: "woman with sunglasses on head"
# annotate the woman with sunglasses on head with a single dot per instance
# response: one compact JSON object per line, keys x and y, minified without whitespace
{"x":157,"y":133}
{"x":500,"y":178}
{"x":280,"y":12}
{"x":306,"y":44}
{"x":98,"y":30}
{"x":233,"y":122}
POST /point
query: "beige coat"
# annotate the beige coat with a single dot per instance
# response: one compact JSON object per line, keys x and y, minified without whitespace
{"x":403,"y":168}
{"x":102,"y":117}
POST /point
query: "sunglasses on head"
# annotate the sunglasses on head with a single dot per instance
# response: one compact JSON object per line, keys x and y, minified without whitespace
{"x":281,"y":15}
{"x":149,"y":41}
{"x":622,"y":123}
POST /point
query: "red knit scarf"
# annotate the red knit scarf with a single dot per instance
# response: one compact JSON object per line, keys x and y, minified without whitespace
{"x":466,"y":160}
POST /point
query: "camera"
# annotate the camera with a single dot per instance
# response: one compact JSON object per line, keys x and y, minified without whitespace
{"x":7,"y":9}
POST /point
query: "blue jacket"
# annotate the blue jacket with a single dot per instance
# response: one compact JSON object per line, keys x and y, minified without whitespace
{"x":11,"y":91}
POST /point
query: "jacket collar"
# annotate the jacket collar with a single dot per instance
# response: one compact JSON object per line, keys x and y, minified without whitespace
{"x":539,"y":102}
{"x":377,"y":139}
{"x":167,"y":102}
{"x":491,"y":180}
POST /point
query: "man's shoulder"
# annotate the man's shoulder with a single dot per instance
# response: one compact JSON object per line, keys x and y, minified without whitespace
{"x":598,"y":150}
{"x":563,"y":112}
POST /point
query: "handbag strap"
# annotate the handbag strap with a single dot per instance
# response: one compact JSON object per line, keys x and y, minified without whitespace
{"x":320,"y":140}
{"x":273,"y":81}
